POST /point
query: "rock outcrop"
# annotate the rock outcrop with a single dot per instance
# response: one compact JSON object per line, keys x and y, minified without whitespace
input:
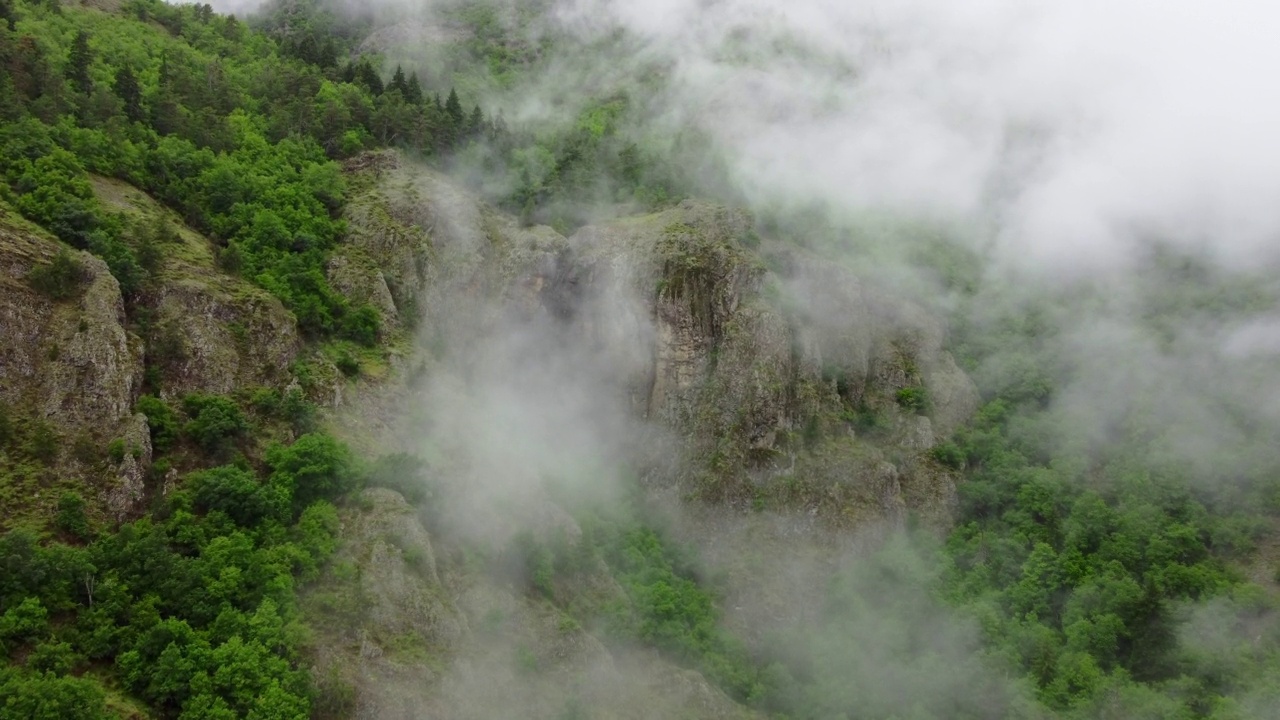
{"x":70,"y":365}
{"x":789,"y":384}
{"x":209,"y":331}
{"x":773,"y":363}
{"x":389,"y":611}
{"x":790,"y":379}
{"x":71,"y":361}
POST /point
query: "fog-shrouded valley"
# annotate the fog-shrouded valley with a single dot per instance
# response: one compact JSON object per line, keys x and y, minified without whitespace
{"x":568,"y":359}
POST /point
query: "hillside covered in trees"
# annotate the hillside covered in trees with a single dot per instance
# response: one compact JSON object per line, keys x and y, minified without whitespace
{"x":329,"y":387}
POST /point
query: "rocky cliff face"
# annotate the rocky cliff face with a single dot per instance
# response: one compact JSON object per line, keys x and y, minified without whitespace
{"x":418,"y":634}
{"x":71,"y":365}
{"x":771,"y":378}
{"x":771,"y":362}
{"x":789,"y":380}
{"x":72,"y":361}
{"x":216,"y":332}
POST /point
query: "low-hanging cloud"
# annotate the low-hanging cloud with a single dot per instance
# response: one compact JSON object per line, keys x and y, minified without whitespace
{"x":1066,"y":127}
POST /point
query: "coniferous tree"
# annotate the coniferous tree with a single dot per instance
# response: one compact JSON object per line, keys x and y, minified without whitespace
{"x":78,"y":64}
{"x":328,"y":56}
{"x":306,"y":49}
{"x":126,"y":87}
{"x":453,"y":123}
{"x":413,"y":90}
{"x":399,"y":83}
{"x":369,"y":77}
{"x":30,"y":71}
{"x":166,"y":115}
{"x":453,"y":108}
{"x":475,"y":124}
{"x":231,"y":29}
{"x":6,"y":13}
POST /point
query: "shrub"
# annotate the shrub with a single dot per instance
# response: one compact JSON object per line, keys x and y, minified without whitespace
{"x":334,"y":698}
{"x":162,"y":421}
{"x":950,"y":455}
{"x":215,"y":421}
{"x":60,"y":279}
{"x":85,"y":449}
{"x":403,"y":473}
{"x":42,"y":442}
{"x":24,"y":621}
{"x":265,"y":401}
{"x":298,"y":411}
{"x":6,"y":426}
{"x":316,"y":467}
{"x":914,"y":399}
{"x":71,"y":518}
{"x":347,"y":363}
{"x":165,"y":345}
{"x":238,"y":493}
{"x":360,"y":325}
{"x":115,"y":450}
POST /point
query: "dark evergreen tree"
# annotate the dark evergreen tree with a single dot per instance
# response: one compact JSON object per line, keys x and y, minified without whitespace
{"x":305,"y":49}
{"x":328,"y":54}
{"x":6,"y":13}
{"x":413,"y":90}
{"x":231,"y":29}
{"x":166,"y":115}
{"x":348,"y":72}
{"x":453,"y":109}
{"x":399,"y":83}
{"x":369,"y":77}
{"x":475,"y":124}
{"x":30,"y":70}
{"x":78,"y":63}
{"x":126,"y":87}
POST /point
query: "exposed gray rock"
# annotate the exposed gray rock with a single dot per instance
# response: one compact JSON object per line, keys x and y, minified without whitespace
{"x":124,"y":499}
{"x":219,"y":333}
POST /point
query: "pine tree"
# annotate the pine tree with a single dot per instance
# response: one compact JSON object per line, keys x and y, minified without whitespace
{"x":306,"y":49}
{"x":126,"y":87}
{"x":166,"y":116}
{"x":369,"y":77}
{"x":413,"y":90}
{"x":475,"y":125}
{"x":453,"y":108}
{"x":399,"y":83}
{"x":6,"y":13}
{"x":231,"y":29}
{"x":328,"y":55}
{"x":78,"y":64}
{"x":30,"y":71}
{"x":348,"y":72}
{"x":166,"y":72}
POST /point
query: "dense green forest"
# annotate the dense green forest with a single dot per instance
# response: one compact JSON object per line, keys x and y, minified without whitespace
{"x":191,"y":611}
{"x":1083,"y":575}
{"x":235,"y":131}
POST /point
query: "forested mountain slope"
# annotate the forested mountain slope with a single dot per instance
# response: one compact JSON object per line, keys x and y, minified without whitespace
{"x":324,"y":394}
